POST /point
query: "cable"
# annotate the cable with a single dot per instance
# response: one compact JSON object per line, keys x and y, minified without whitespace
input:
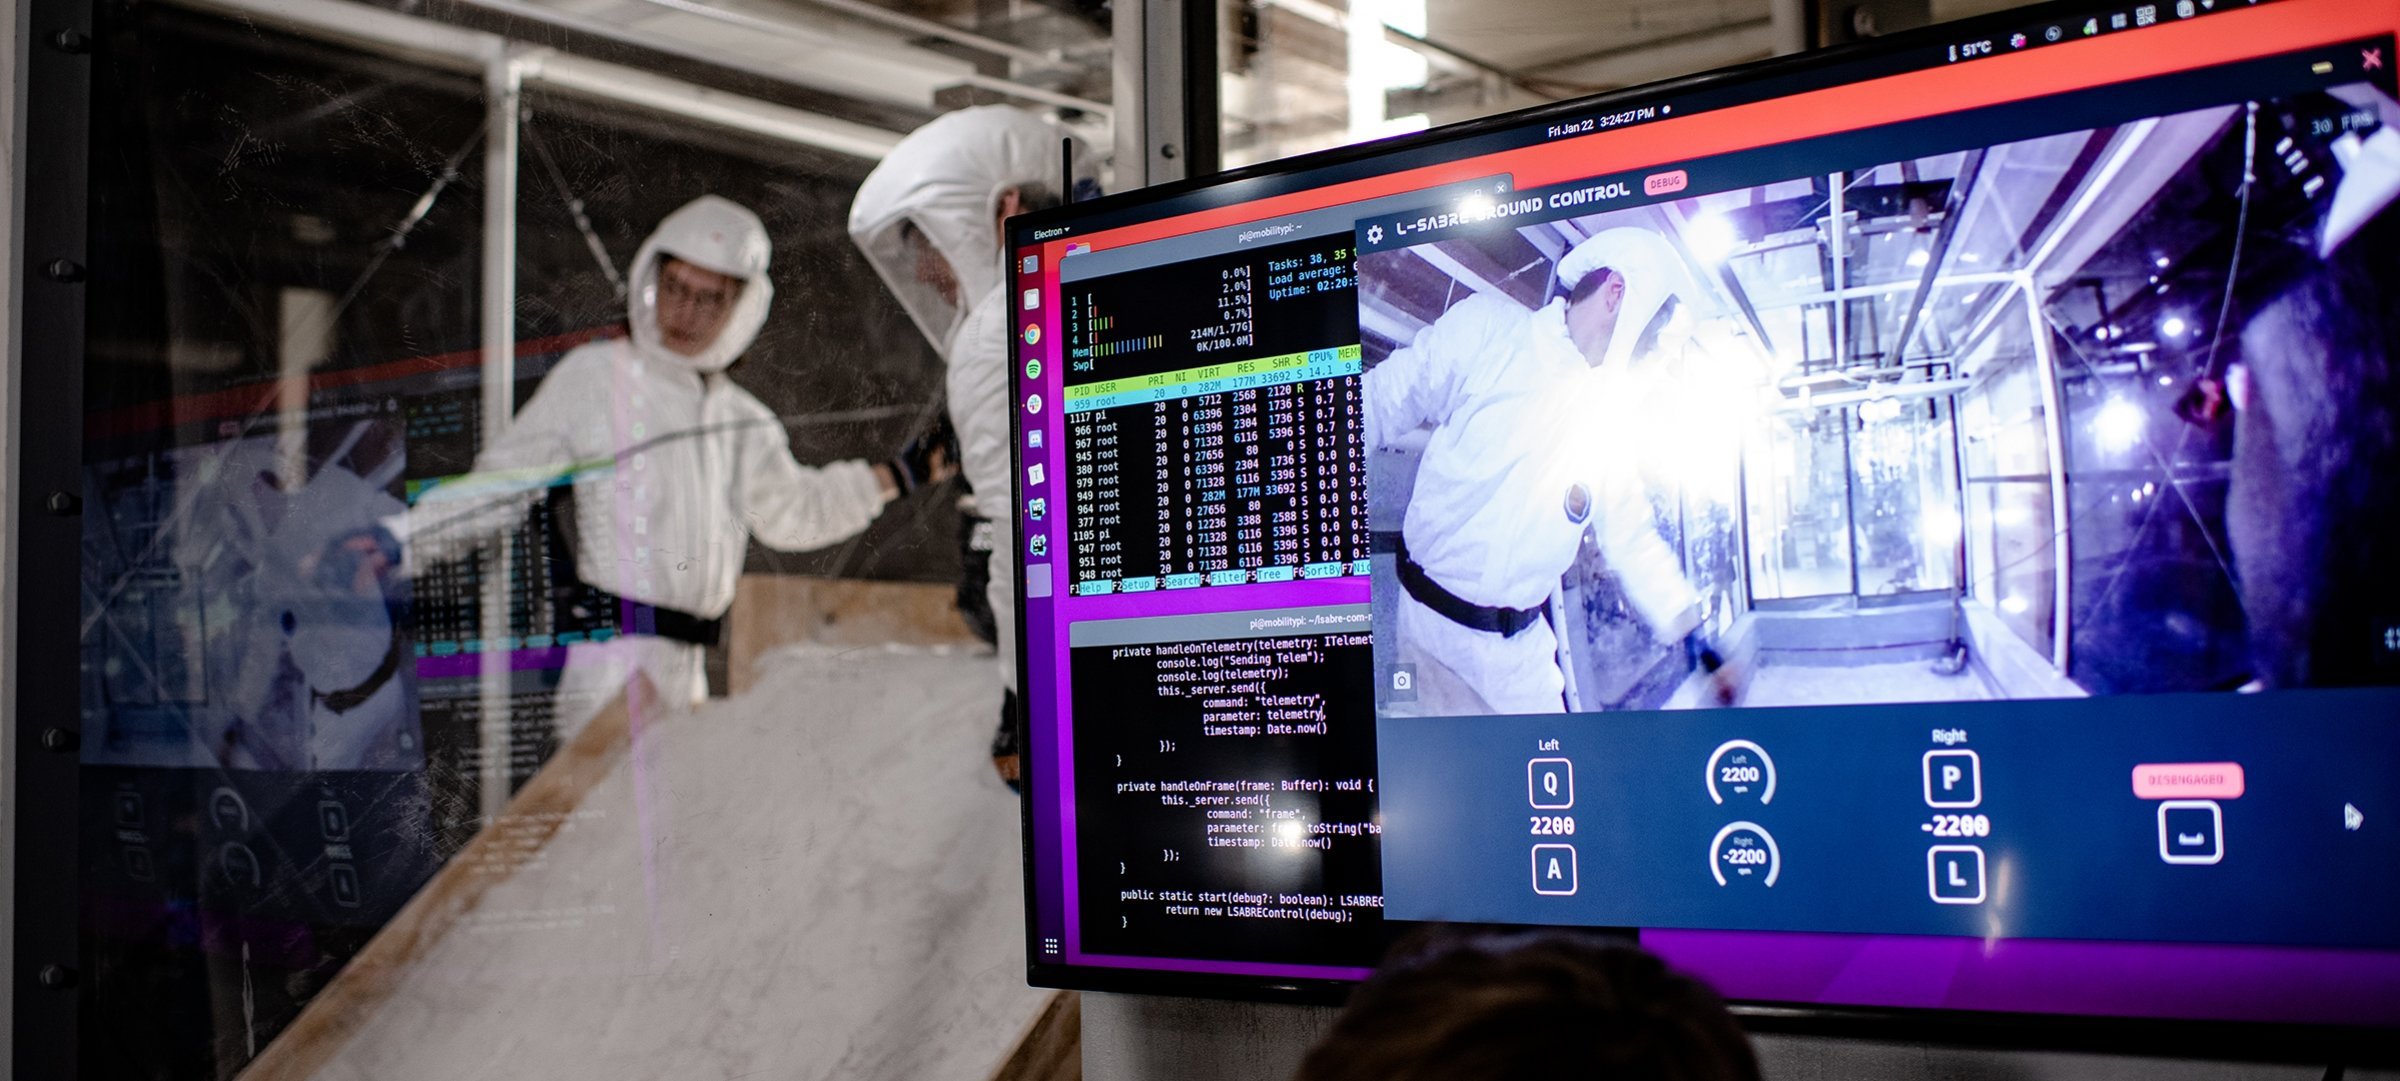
{"x":583,"y":222}
{"x":2241,"y":227}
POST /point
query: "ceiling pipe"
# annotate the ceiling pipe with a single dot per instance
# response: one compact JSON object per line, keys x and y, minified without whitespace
{"x":952,"y":34}
{"x":392,"y":34}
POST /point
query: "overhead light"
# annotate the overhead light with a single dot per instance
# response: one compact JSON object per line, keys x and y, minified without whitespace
{"x":2118,"y":425}
{"x":1941,"y":527}
{"x":1711,"y":237}
{"x":2173,"y":326}
{"x":1919,"y":257}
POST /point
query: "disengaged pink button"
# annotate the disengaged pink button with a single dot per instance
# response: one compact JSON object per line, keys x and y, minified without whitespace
{"x":2188,"y":780}
{"x":1662,"y":183}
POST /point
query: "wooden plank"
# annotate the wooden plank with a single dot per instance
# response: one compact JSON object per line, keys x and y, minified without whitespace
{"x":775,"y":610}
{"x":1051,"y":1047}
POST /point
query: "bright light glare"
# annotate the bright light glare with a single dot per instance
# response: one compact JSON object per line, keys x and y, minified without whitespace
{"x":2118,"y":424}
{"x":1476,"y":207}
{"x":2174,"y":326}
{"x":1942,"y":527}
{"x":1377,"y":65}
{"x":2166,"y":380}
{"x":2013,"y":605}
{"x":2162,"y":262}
{"x":1711,"y":237}
{"x":1919,"y":257}
{"x":1291,"y":831}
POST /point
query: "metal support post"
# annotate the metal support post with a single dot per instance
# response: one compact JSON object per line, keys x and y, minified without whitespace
{"x":2045,"y":361}
{"x":52,"y":45}
{"x":1166,"y":105}
{"x":503,"y":88}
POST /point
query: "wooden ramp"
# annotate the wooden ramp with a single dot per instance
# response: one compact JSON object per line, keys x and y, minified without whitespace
{"x":819,"y":878}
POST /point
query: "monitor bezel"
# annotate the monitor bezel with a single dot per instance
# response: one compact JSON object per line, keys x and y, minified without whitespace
{"x":1760,"y":80}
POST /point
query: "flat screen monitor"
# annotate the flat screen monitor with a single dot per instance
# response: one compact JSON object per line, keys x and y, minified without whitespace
{"x":1908,"y":532}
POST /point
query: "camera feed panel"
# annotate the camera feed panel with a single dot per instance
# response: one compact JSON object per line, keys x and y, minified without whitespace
{"x":2015,"y":422}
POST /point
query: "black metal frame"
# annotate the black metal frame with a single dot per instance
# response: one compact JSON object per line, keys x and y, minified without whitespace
{"x":2243,"y":1041}
{"x":1203,"y":101}
{"x":54,"y":119}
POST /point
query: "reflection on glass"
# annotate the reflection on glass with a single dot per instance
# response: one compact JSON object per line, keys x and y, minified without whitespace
{"x":1904,"y":497}
{"x":1799,"y":507}
{"x":302,"y":711}
{"x":2011,"y":557}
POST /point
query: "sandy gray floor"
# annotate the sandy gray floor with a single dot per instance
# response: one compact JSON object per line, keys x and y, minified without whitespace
{"x":817,"y":880}
{"x":1902,"y":681}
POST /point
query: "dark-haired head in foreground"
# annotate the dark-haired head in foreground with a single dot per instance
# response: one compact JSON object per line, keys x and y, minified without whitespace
{"x":1548,"y":1006}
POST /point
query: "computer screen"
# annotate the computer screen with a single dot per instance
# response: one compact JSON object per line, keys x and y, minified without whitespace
{"x":1903,"y":529}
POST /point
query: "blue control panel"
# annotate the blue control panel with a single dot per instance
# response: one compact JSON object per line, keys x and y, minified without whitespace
{"x":2190,"y":818}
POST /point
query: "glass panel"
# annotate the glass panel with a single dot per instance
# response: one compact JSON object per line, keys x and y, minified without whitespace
{"x":1800,"y":506}
{"x":366,"y":692}
{"x":1905,"y":497}
{"x":258,"y":797}
{"x":2011,"y":551}
{"x":1302,"y":75}
{"x":2157,"y":597}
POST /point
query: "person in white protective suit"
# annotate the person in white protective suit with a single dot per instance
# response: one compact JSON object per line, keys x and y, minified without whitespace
{"x":674,"y":467}
{"x":929,"y":219}
{"x":1529,"y":449}
{"x":304,"y":638}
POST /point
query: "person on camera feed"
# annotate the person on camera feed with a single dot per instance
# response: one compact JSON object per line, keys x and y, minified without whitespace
{"x":674,"y":466}
{"x":2316,"y":450}
{"x":929,"y":219}
{"x":1529,"y":450}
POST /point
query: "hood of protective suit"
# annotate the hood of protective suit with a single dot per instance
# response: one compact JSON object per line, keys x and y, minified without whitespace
{"x":946,"y":180}
{"x":715,"y":234}
{"x":1653,"y":275}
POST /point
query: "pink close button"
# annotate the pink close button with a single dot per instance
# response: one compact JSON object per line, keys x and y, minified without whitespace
{"x":2188,"y":780}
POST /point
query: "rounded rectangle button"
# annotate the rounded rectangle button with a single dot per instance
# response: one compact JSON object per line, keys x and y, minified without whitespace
{"x":2189,"y":780}
{"x":1550,"y":784}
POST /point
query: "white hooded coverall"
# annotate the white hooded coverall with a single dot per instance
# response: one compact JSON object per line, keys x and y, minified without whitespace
{"x":946,"y":179}
{"x":675,"y":468}
{"x":1525,"y":430}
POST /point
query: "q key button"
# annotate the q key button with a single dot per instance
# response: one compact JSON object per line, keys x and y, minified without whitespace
{"x":1550,"y":784}
{"x":1554,"y":870}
